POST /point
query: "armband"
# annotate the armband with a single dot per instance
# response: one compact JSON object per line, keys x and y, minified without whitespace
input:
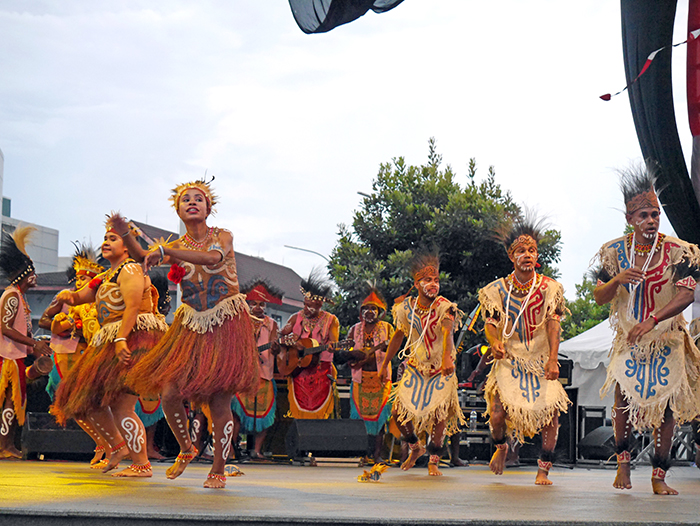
{"x":95,"y":283}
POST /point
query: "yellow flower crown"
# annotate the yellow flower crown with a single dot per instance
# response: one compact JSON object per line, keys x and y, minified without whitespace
{"x":83,"y":265}
{"x":200,"y":185}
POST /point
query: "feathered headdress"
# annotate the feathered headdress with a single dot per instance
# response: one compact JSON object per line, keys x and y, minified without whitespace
{"x":423,"y":264}
{"x":637,"y":185}
{"x":84,"y":262}
{"x":15,"y":264}
{"x":316,"y":288}
{"x":374,"y":298}
{"x":202,"y":185}
{"x":526,"y":228}
{"x":261,"y":290}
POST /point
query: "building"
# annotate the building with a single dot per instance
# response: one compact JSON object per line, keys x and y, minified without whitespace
{"x":44,"y":247}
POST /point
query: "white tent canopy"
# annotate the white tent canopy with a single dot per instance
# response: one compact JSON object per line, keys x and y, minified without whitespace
{"x":589,"y":352}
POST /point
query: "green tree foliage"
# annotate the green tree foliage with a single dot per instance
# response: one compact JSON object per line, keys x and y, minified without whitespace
{"x":585,"y":312}
{"x":419,"y":207}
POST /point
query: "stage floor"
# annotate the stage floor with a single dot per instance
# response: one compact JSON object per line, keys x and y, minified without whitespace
{"x":57,"y":493}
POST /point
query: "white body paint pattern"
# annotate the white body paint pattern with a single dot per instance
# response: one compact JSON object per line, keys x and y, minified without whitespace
{"x":226,"y":440}
{"x":8,"y":416}
{"x":195,"y":430}
{"x":134,"y":435}
{"x":11,"y":306}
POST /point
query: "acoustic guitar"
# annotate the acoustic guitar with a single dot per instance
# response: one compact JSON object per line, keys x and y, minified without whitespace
{"x":293,"y":361}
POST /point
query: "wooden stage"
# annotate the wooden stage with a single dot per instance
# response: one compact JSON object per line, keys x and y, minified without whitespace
{"x":68,"y":493}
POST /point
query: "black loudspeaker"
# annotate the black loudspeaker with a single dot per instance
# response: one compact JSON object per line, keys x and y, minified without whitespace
{"x":566,"y":442}
{"x":599,"y":444}
{"x":326,"y":438}
{"x":41,"y":434}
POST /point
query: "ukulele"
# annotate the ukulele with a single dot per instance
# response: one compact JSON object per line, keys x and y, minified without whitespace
{"x":293,"y":361}
{"x":372,"y":351}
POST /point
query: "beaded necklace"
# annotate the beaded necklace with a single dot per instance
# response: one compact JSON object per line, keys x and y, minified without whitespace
{"x":111,"y":272}
{"x":309,"y":324}
{"x":517,"y":285}
{"x":632,"y":259}
{"x":505,"y":335}
{"x":641,"y":249}
{"x":192,"y":243}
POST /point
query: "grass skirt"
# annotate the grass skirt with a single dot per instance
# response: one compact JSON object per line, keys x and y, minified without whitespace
{"x":224,"y":359}
{"x":98,"y":378}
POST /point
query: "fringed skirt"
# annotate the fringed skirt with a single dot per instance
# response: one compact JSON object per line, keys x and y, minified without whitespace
{"x":200,"y":364}
{"x":667,"y":377}
{"x":425,"y":400}
{"x":529,"y":400}
{"x":98,"y":378}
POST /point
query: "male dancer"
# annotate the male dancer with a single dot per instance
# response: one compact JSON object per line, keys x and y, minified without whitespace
{"x":254,"y":413}
{"x":311,"y":389}
{"x":369,"y":397}
{"x":425,"y":399}
{"x":16,"y":341}
{"x":522,"y":313}
{"x":649,"y":279}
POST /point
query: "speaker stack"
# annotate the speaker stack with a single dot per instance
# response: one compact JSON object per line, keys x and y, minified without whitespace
{"x":326,"y":438}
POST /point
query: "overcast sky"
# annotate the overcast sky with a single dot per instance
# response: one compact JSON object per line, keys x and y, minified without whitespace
{"x":106,"y":105}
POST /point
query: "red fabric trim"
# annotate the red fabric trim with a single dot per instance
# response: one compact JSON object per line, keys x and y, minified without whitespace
{"x":95,"y":283}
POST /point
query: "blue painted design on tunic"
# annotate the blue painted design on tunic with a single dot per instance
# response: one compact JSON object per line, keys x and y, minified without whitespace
{"x":649,"y":374}
{"x":422,"y":389}
{"x":624,"y":263}
{"x":217,"y":289}
{"x":529,"y":383}
{"x":190,"y":294}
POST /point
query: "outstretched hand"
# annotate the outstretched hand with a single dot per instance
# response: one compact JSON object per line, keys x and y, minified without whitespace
{"x":640,"y":330}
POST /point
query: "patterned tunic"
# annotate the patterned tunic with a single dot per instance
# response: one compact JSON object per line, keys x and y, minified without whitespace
{"x":663,"y":368}
{"x":530,"y":400}
{"x":423,"y":395}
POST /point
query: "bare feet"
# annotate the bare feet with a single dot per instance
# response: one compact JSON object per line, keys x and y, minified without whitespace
{"x":459,"y":463}
{"x":10,"y":453}
{"x":542,"y":478}
{"x":154,"y":455}
{"x":622,"y":480}
{"x":416,"y":453}
{"x":433,"y":470}
{"x":181,"y":462}
{"x":99,"y":453}
{"x":498,"y":460}
{"x":658,"y":483}
{"x":215,"y":480}
{"x":131,"y":472}
{"x":115,"y":459}
{"x":101,"y":464}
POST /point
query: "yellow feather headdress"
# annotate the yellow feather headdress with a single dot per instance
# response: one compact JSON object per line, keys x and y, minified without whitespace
{"x":201,"y":185}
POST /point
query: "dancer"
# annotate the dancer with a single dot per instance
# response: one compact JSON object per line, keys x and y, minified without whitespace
{"x":254,"y":413}
{"x":311,"y":387}
{"x":209,"y":352}
{"x":369,"y":397}
{"x":72,"y":328}
{"x":17,"y":341}
{"x":425,"y":399}
{"x":649,"y":279}
{"x":522,"y":314}
{"x":95,"y":387}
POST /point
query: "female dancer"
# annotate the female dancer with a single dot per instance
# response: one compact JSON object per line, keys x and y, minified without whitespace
{"x":209,"y":352}
{"x":95,"y":386}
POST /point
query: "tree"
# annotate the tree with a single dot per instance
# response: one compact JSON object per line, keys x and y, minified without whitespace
{"x":418,"y":207}
{"x":585,"y":312}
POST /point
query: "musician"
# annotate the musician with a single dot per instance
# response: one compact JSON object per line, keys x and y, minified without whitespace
{"x":369,"y":396}
{"x":254,"y":413}
{"x":311,"y":389}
